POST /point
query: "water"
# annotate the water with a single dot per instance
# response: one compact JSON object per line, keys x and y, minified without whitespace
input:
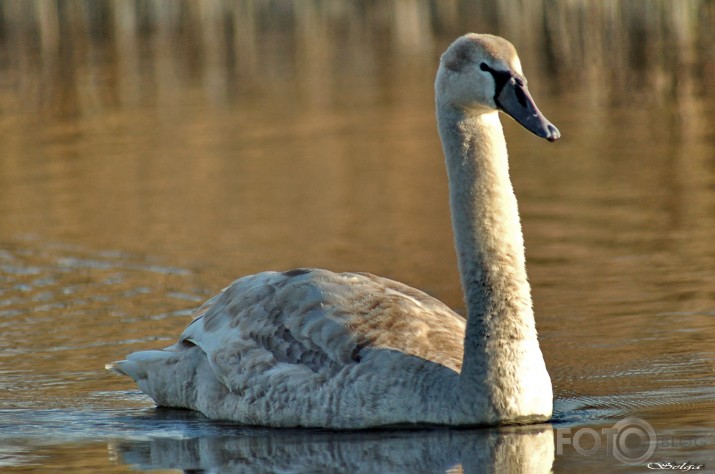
{"x":152,"y":152}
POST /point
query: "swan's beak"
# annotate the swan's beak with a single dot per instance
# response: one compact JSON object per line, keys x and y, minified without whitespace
{"x":515,"y":100}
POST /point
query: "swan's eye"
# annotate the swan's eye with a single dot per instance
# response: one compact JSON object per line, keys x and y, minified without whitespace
{"x":520,"y":96}
{"x":500,"y":77}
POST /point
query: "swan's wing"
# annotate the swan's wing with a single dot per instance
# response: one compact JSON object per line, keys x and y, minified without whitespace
{"x":317,"y":322}
{"x":408,"y":320}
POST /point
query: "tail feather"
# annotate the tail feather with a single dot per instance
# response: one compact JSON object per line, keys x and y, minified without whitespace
{"x":140,"y":364}
{"x":156,"y":372}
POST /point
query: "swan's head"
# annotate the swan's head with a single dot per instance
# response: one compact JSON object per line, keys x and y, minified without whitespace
{"x":483,"y":71}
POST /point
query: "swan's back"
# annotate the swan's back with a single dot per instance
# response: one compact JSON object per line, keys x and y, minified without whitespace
{"x":297,"y":342}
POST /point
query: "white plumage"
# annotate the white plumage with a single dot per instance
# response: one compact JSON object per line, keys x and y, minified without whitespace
{"x":315,"y":348}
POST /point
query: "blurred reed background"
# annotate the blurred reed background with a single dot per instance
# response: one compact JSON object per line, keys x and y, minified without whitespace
{"x":72,"y":57}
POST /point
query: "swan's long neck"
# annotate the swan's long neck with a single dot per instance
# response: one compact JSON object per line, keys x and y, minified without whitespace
{"x":501,"y":335}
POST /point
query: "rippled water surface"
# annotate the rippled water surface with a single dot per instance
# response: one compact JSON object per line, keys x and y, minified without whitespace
{"x":152,"y":152}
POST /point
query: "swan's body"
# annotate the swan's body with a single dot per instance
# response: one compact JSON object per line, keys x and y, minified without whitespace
{"x":321,"y":349}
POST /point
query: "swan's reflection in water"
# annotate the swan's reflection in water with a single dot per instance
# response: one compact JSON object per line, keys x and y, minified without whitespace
{"x":238,"y":449}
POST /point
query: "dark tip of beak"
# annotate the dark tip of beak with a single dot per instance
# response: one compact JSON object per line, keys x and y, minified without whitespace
{"x":553,"y":133}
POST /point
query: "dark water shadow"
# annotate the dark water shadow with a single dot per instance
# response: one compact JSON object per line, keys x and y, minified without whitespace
{"x":196,"y":444}
{"x":149,"y":439}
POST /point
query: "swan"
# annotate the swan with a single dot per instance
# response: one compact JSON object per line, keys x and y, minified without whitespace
{"x":313,"y":348}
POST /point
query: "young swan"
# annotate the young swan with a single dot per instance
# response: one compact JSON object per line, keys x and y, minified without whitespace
{"x":314,"y":348}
